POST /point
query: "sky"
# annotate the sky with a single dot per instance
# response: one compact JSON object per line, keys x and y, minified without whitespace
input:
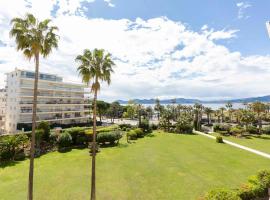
{"x":211,"y":49}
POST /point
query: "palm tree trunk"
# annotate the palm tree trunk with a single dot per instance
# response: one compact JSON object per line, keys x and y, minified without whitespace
{"x":93,"y":178}
{"x":33,"y":138}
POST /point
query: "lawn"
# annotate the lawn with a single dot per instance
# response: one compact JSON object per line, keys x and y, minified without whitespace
{"x":166,"y":166}
{"x":258,"y":142}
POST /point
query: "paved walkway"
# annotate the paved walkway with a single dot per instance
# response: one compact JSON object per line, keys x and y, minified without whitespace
{"x":236,"y":145}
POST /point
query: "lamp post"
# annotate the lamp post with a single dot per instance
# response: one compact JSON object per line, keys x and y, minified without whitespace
{"x":268,"y":27}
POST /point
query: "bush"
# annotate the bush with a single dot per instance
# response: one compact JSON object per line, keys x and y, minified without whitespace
{"x":266,"y":130}
{"x":109,"y":137}
{"x":139,"y":132}
{"x":145,"y":126}
{"x":219,"y":139}
{"x":222,"y":128}
{"x":183,"y":126}
{"x":253,"y":130}
{"x":11,"y":146}
{"x":124,"y":127}
{"x":237,"y":130}
{"x":132,"y":135}
{"x":45,"y":126}
{"x":78,"y":135}
{"x":65,"y":140}
{"x":154,"y":126}
{"x":221,"y":194}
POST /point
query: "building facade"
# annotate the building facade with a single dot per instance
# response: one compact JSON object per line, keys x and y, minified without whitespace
{"x":58,"y":102}
{"x":3,"y":100}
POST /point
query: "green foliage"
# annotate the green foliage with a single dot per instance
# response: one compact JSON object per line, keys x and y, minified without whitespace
{"x":145,"y":126}
{"x":11,"y":146}
{"x":219,"y":139}
{"x":45,"y":126}
{"x":154,"y":126}
{"x":266,"y":130}
{"x":222,"y":128}
{"x":139,"y":132}
{"x":132,"y":135}
{"x":237,"y":130}
{"x":253,"y":130}
{"x":65,"y":140}
{"x":109,"y":137}
{"x":184,"y":124}
{"x":78,"y":135}
{"x":124,"y":127}
{"x":221,"y":194}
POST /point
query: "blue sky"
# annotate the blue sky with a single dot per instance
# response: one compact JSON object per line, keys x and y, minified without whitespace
{"x":211,"y":49}
{"x":251,"y":39}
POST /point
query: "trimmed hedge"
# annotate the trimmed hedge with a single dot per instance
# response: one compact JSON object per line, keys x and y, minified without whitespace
{"x":65,"y":140}
{"x":109,"y":137}
{"x":221,"y":194}
{"x":219,"y":139}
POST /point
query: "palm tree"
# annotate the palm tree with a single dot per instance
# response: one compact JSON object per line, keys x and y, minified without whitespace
{"x":208,"y":111}
{"x":259,"y":108}
{"x":229,"y":106}
{"x":94,"y":67}
{"x":34,"y":38}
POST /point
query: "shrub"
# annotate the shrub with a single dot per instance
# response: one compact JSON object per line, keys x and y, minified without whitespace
{"x":109,"y":137}
{"x":139,"y":132}
{"x":221,"y":194}
{"x":264,"y":178}
{"x":183,"y":126}
{"x":266,"y":130}
{"x":154,"y":126}
{"x":145,"y":126}
{"x":132,"y":135}
{"x":124,"y":127}
{"x":45,"y":126}
{"x":78,"y":135}
{"x":253,"y":130}
{"x":237,"y":130}
{"x":222,"y":128}
{"x":11,"y":146}
{"x":65,"y":140}
{"x":219,"y":139}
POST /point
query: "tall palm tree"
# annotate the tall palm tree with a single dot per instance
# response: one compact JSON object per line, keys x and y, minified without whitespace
{"x":259,"y":108}
{"x":229,"y":106}
{"x":94,"y":67}
{"x":34,"y":38}
{"x":208,"y":111}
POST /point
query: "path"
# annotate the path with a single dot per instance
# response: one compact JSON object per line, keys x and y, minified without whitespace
{"x":236,"y":145}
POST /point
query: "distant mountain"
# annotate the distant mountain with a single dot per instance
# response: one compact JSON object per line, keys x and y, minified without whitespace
{"x":187,"y":101}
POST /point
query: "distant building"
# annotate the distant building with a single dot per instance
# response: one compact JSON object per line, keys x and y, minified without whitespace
{"x":3,"y":99}
{"x":58,"y":102}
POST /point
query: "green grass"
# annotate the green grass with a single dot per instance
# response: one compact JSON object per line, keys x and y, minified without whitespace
{"x":258,"y":142}
{"x":166,"y":166}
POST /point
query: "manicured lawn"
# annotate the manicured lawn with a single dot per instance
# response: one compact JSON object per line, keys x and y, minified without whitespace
{"x":166,"y":166}
{"x":258,"y":142}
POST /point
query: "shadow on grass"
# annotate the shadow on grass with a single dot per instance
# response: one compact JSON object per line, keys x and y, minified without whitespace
{"x":261,"y":137}
{"x":122,"y":145}
{"x":150,"y":135}
{"x":64,"y":150}
{"x":5,"y":164}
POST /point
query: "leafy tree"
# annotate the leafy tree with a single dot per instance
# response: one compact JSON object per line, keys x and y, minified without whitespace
{"x":102,"y":108}
{"x":198,"y":108}
{"x":34,"y":38}
{"x":45,"y":126}
{"x":208,"y":111}
{"x":95,"y":67}
{"x":259,"y":108}
{"x":114,"y":110}
{"x":158,"y":108}
{"x":247,"y":117}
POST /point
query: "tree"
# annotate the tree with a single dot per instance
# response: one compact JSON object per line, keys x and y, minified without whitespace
{"x":158,"y":108}
{"x":247,"y":117}
{"x":208,"y":111}
{"x":102,"y":107}
{"x":229,"y":108}
{"x":95,"y":67}
{"x":34,"y":38}
{"x":259,"y":108}
{"x":222,"y":114}
{"x":114,"y":110}
{"x":198,"y":108}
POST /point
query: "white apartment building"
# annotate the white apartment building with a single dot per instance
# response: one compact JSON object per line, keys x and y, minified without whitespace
{"x":3,"y":99}
{"x":58,"y":102}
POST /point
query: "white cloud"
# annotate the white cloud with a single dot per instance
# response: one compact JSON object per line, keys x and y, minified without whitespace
{"x":242,"y":6}
{"x":109,"y":2}
{"x":154,"y":58}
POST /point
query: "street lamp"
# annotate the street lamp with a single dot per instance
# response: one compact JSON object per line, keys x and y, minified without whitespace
{"x":268,"y":27}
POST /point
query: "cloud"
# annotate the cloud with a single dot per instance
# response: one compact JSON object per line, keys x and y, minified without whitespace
{"x":157,"y":57}
{"x":109,"y":2}
{"x":242,"y":6}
